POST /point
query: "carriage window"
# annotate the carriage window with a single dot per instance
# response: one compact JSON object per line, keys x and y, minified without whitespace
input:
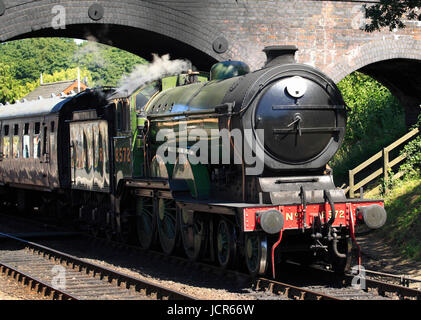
{"x":26,"y":142}
{"x":44,"y":141}
{"x":37,"y":140}
{"x":52,"y":127}
{"x":6,"y":142}
{"x":15,"y":139}
{"x":37,"y":127}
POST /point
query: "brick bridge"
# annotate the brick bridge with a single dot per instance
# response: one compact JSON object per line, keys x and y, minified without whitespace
{"x":327,"y":33}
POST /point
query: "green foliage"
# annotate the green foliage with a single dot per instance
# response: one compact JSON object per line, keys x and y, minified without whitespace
{"x":412,"y":164}
{"x":387,"y":183}
{"x":68,"y":74}
{"x":403,"y":226}
{"x":106,"y":64}
{"x":28,"y":58}
{"x":11,"y":89}
{"x":375,"y":120}
{"x":390,"y":13}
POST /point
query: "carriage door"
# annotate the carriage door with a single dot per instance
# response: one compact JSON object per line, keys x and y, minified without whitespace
{"x":122,"y":143}
{"x":45,"y":153}
{"x":52,"y":153}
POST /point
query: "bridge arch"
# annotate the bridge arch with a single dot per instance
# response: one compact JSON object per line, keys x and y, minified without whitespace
{"x":396,"y":63}
{"x":140,"y":27}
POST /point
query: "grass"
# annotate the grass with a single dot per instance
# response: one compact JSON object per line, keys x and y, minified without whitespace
{"x":403,"y":226}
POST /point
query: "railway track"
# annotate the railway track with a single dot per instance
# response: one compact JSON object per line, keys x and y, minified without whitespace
{"x":367,"y":287}
{"x":382,"y":288}
{"x":343,"y":290}
{"x":402,"y":279}
{"x":374,"y":289}
{"x":61,"y":276}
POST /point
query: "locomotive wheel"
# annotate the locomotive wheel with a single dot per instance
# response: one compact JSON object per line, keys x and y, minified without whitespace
{"x":94,"y":231}
{"x":341,"y":265}
{"x":63,"y":210}
{"x":226,"y":247}
{"x":194,"y":232}
{"x":167,"y":224}
{"x":145,"y":222}
{"x":126,"y":228}
{"x":256,"y":253}
{"x":22,"y":204}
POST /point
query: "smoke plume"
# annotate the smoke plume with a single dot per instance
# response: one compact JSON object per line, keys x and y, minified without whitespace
{"x":91,"y":47}
{"x":158,"y":68}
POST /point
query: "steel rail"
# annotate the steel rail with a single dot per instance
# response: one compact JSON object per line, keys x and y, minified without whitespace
{"x":143,"y":286}
{"x":296,"y":293}
{"x":383,"y":287}
{"x":257,"y":284}
{"x":371,"y":284}
{"x":403,"y":279}
{"x":35,"y":284}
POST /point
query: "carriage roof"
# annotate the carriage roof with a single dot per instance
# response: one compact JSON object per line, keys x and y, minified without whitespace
{"x":33,"y":108}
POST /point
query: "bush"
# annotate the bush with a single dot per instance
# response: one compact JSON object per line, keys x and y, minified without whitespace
{"x":375,"y":120}
{"x":403,"y":225}
{"x":412,"y":164}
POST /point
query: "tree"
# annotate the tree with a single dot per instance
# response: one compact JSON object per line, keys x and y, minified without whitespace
{"x":106,"y":64}
{"x":390,"y":13}
{"x":30,"y":57}
{"x":375,"y":120}
{"x":10,"y":89}
{"x":67,"y":74}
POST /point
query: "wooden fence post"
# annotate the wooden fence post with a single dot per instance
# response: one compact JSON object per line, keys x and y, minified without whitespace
{"x":385,"y":168}
{"x":382,"y":170}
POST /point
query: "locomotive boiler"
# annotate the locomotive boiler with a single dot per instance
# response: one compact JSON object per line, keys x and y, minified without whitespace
{"x":231,"y":170}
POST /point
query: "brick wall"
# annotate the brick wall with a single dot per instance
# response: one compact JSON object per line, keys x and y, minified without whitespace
{"x":327,"y":33}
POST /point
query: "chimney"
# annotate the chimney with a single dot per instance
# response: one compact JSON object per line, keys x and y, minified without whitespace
{"x":276,"y":55}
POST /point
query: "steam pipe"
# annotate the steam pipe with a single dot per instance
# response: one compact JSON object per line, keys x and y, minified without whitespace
{"x":330,"y":223}
{"x":335,"y":248}
{"x":332,"y":205}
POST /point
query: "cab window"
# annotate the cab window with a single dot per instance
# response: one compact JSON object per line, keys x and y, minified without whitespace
{"x":145,"y":94}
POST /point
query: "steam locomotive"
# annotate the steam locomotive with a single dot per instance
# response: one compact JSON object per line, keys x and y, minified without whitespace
{"x":231,"y":170}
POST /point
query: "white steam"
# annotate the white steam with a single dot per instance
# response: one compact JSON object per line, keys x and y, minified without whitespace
{"x":158,"y":68}
{"x":92,"y":47}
